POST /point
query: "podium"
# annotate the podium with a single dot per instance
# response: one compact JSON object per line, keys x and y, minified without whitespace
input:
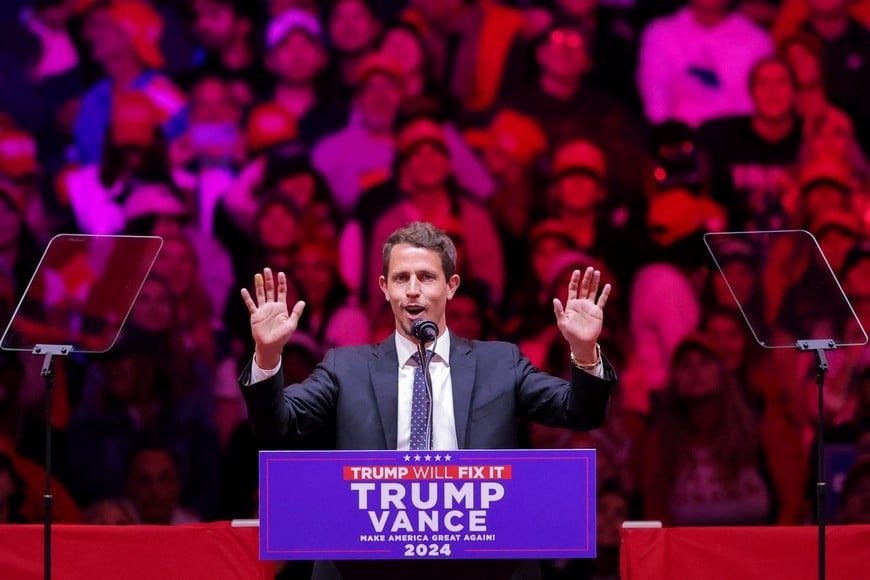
{"x":426,"y":508}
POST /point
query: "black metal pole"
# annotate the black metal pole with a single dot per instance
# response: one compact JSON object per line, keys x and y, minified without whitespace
{"x":48,"y":374}
{"x":821,"y":366}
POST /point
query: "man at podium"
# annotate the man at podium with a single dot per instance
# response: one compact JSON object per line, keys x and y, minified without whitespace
{"x":378,"y":397}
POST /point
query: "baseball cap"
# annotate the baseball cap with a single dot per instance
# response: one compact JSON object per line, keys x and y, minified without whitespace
{"x":678,"y":213}
{"x":836,"y":219}
{"x":17,"y":153}
{"x":269,"y":124}
{"x":289,"y":21}
{"x":378,"y":62}
{"x":417,"y":131}
{"x":825,"y":171}
{"x":514,"y":134}
{"x":580,"y":156}
{"x":143,"y":26}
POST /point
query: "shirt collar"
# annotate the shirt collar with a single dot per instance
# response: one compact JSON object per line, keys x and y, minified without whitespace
{"x":405,"y":348}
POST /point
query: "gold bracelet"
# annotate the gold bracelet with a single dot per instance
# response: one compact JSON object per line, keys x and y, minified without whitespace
{"x":588,"y":366}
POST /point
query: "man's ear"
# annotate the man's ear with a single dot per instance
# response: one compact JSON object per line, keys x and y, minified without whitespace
{"x":452,"y":286}
{"x":382,"y":282}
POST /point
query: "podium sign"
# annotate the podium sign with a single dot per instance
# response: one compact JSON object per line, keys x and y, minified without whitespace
{"x":393,"y":505}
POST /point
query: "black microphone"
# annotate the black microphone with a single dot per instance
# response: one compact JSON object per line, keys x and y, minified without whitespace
{"x":424,"y":330}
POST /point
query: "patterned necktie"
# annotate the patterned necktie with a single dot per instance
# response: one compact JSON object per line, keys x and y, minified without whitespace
{"x":419,"y":406}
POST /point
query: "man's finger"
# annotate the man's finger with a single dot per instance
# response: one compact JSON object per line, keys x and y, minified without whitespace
{"x":249,"y":302}
{"x":557,"y":308}
{"x":282,"y":287}
{"x":584,"y":284}
{"x":270,"y":284}
{"x":573,"y":285}
{"x":296,"y":313}
{"x":258,"y":289}
{"x":605,"y":294}
{"x":592,"y":292}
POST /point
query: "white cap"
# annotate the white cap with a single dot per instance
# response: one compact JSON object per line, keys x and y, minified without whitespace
{"x":288,"y":21}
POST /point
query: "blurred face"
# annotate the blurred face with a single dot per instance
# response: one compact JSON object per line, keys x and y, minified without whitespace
{"x":177,"y":265}
{"x":315,"y":275}
{"x":833,"y":139}
{"x":277,"y":228}
{"x":563,"y":54}
{"x":404,"y":48}
{"x":427,"y":168}
{"x":378,"y":101}
{"x":822,"y":197}
{"x":300,"y":189}
{"x":729,"y":340}
{"x":612,"y":511}
{"x":215,"y":25}
{"x":544,"y":254}
{"x":121,"y":378}
{"x":106,"y":40}
{"x":697,"y":374}
{"x":153,"y":486}
{"x":577,"y":193}
{"x":211,"y":101}
{"x":352,"y":27}
{"x":773,"y":92}
{"x":741,"y":278}
{"x":109,"y":513}
{"x":416,"y":287}
{"x":298,"y":59}
{"x":153,"y":309}
{"x":465,"y":317}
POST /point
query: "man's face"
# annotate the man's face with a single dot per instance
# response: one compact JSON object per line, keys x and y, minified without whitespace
{"x":154,"y":486}
{"x":416,"y":287}
{"x":379,"y":100}
{"x":215,"y":24}
{"x":773,"y":92}
{"x":298,"y":59}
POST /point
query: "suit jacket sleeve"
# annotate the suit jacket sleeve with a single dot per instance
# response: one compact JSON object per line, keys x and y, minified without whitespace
{"x":276,"y":411}
{"x":580,"y":403}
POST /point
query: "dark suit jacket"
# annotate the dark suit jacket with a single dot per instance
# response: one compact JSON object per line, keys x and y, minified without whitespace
{"x":357,"y":389}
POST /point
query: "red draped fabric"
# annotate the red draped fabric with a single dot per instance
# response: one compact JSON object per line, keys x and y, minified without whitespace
{"x":215,"y":551}
{"x":729,"y":553}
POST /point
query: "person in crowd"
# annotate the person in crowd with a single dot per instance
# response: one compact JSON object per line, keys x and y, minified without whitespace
{"x":404,"y":43}
{"x":227,"y":31}
{"x":693,"y":65}
{"x":457,"y":32}
{"x":714,"y":471}
{"x":512,"y":146}
{"x":845,"y":45}
{"x":152,"y":487}
{"x":750,"y":155}
{"x":124,"y":39}
{"x":369,"y":133}
{"x":331,"y":316}
{"x":569,"y":108}
{"x":297,"y":56}
{"x":803,"y":54}
{"x":134,"y":154}
{"x":428,"y":191}
{"x":21,"y":173}
{"x":418,"y":279}
{"x":353,"y":29}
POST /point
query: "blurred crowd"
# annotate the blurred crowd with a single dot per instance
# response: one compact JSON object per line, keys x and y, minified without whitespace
{"x":542,"y":135}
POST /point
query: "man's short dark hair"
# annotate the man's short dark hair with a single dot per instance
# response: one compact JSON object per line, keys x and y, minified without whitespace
{"x":423,"y":235}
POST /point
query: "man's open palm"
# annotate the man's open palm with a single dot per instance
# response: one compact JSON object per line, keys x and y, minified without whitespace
{"x":272,"y":324}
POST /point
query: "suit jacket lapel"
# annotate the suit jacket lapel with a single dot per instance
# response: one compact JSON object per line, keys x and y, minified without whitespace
{"x":384,"y":371}
{"x":462,"y":371}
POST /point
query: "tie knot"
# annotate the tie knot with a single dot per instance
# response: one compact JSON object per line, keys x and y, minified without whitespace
{"x":429,"y":355}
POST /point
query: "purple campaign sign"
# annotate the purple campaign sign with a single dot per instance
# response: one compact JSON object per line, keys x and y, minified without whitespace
{"x":366,"y":505}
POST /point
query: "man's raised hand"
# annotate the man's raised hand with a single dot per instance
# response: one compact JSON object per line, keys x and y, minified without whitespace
{"x":272,"y":324}
{"x":581,"y":318}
